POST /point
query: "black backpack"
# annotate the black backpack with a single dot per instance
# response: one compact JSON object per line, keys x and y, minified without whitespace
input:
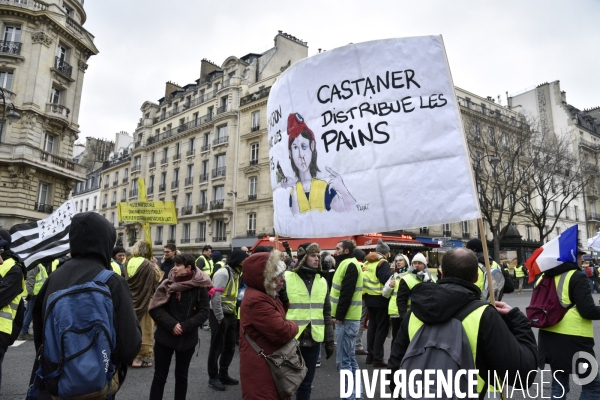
{"x":443,"y":346}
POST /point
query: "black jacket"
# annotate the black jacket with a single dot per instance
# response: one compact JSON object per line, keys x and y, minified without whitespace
{"x":404,"y":295}
{"x":191,"y":312}
{"x":557,"y":349}
{"x":348,"y":286}
{"x":10,"y":287}
{"x":166,"y":266}
{"x":505,"y":344}
{"x":91,"y":238}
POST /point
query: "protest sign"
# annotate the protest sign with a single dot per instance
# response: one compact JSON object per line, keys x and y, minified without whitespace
{"x":154,"y":212}
{"x":368,"y":138}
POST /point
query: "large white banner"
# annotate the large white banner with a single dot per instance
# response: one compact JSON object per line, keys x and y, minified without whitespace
{"x":368,"y":138}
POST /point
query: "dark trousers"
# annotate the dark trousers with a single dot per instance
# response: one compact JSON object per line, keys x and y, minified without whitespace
{"x":310,"y":355}
{"x":379,"y":325}
{"x":222,"y":344}
{"x":162,"y":362}
{"x":395,"y":322}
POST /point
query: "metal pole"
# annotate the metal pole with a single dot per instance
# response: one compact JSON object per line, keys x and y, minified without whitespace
{"x":488,"y":270}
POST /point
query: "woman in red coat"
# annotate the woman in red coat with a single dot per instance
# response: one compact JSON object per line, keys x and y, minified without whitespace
{"x":263,"y":319}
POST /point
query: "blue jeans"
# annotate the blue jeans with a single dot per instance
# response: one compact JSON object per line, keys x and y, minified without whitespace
{"x":346,"y":341}
{"x":591,"y":391}
{"x":28,"y":315}
{"x":310,"y":355}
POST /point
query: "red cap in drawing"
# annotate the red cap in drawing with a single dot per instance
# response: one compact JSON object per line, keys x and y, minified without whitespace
{"x":295,"y":127}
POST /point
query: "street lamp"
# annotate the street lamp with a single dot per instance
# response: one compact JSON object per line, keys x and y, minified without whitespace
{"x":12,"y":115}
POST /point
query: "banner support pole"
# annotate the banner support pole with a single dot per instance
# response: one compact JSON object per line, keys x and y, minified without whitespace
{"x":488,"y":270}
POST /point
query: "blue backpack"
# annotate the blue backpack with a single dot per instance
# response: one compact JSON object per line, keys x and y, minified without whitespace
{"x":79,"y":338}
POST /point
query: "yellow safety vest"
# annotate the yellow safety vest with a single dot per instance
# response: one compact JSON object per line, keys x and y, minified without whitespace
{"x":519,"y":273}
{"x":411,"y":281}
{"x":116,"y":267}
{"x":471,"y":326}
{"x":133,"y":264}
{"x":371,"y":284}
{"x":306,"y":308}
{"x":40,"y":278}
{"x":208,"y":266}
{"x":572,"y":323}
{"x":316,"y":200}
{"x":8,"y":313}
{"x":393,"y":305}
{"x":221,"y":264}
{"x":355,"y":309}
{"x":480,"y":278}
{"x":54,"y":265}
{"x":229,"y":296}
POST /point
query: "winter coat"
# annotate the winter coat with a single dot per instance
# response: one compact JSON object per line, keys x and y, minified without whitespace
{"x":166,"y":266}
{"x":383,"y":273}
{"x":558,"y":349}
{"x":505,"y":343}
{"x":190,"y":310}
{"x":10,"y":287}
{"x":91,"y":238}
{"x":263,"y":319}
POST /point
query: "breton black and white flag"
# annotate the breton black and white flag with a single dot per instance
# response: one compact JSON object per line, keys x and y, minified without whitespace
{"x":46,"y":239}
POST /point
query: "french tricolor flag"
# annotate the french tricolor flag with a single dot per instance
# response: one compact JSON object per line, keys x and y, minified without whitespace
{"x":555,"y":252}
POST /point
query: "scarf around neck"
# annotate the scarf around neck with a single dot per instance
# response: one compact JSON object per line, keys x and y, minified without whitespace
{"x":170,"y":286}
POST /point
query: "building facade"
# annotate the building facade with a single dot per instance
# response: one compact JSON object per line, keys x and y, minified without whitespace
{"x":190,"y":147}
{"x":43,"y":59}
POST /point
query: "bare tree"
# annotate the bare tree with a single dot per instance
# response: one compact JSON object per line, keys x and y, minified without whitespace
{"x":558,"y":176}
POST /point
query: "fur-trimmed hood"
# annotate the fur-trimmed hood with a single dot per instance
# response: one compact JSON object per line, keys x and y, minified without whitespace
{"x":261,"y":269}
{"x":310,"y":249}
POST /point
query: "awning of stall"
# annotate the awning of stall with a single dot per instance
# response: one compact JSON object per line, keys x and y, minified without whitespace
{"x":434,"y":244}
{"x":368,"y":242}
{"x":324,"y":243}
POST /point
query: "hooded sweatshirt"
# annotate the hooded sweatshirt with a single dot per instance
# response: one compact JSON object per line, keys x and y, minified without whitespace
{"x":505,"y":343}
{"x":91,"y":239}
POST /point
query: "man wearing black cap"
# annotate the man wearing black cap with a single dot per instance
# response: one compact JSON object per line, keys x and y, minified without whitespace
{"x":12,"y":285}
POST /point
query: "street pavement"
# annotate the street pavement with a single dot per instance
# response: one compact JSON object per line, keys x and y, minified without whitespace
{"x":18,"y":362}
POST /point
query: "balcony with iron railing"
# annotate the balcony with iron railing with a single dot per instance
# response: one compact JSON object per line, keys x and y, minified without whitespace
{"x":136,"y":168}
{"x":220,"y":140}
{"x":251,"y":232}
{"x":104,"y":205}
{"x":205,"y":147}
{"x":218,"y":172}
{"x":497,"y":114}
{"x":222,"y":109}
{"x":106,"y":185}
{"x":177,"y":157}
{"x":255,"y":96}
{"x":162,"y":187}
{"x":447,"y":233}
{"x":200,"y":239}
{"x":190,"y":153}
{"x":179,"y":129}
{"x":138,"y":144}
{"x":171,"y":241}
{"x":200,"y":208}
{"x":125,"y":179}
{"x":185,"y":240}
{"x":220,"y":238}
{"x":150,"y":190}
{"x":13,"y":48}
{"x":113,"y":203}
{"x":115,"y":183}
{"x":217,"y":204}
{"x":187,"y":210}
{"x":594,"y":217}
{"x":591,"y":193}
{"x":57,"y":110}
{"x":164,"y":161}
{"x":45,"y":208}
{"x":133,"y":193}
{"x":63,"y":67}
{"x":152,"y":165}
{"x":174,"y":184}
{"x":255,"y":128}
{"x":466,"y":235}
{"x":254,"y":161}
{"x":158,"y":242}
{"x":203,"y":178}
{"x":251,"y":197}
{"x":189,"y":181}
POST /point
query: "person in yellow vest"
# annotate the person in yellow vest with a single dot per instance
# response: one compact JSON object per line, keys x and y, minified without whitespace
{"x":204,"y":262}
{"x":308,"y":192}
{"x":501,"y":338}
{"x":310,"y":308}
{"x":12,"y":308}
{"x":417,"y":273}
{"x":520,"y":274}
{"x":360,"y":350}
{"x":376,"y":273}
{"x":117,"y":261}
{"x":223,"y":321}
{"x":143,"y":277}
{"x":390,"y":290}
{"x":218,"y":261}
{"x":35,"y":280}
{"x":346,"y":306}
{"x":559,"y":345}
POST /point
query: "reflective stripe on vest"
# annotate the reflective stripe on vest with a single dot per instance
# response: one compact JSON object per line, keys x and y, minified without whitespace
{"x":208,"y":266}
{"x":572,"y":323}
{"x":393,"y":305}
{"x":40,"y":278}
{"x":471,"y":326}
{"x":306,"y":307}
{"x":133,"y":264}
{"x":229,"y":296}
{"x":8,"y":313}
{"x":355,"y":309}
{"x":116,"y":267}
{"x":371,"y":284}
{"x":316,"y":196}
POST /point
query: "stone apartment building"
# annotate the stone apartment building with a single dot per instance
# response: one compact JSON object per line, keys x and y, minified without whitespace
{"x":43,"y":59}
{"x":194,"y":147}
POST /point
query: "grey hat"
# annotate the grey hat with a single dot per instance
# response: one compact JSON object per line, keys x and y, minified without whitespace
{"x":382,"y":248}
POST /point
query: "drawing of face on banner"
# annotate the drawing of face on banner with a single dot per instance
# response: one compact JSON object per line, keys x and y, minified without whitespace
{"x":367,"y":138}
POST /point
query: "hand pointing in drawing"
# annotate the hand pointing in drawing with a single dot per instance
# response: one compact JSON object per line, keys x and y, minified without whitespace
{"x":343,"y":201}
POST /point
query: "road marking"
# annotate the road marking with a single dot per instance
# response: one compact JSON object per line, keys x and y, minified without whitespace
{"x":18,"y":343}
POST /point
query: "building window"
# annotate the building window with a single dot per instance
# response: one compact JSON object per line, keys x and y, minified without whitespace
{"x":186,"y":233}
{"x":476,"y":131}
{"x":67,"y":10}
{"x":201,"y":232}
{"x":221,"y":134}
{"x":446,"y":230}
{"x":124,"y":195}
{"x":255,"y":121}
{"x":505,"y":140}
{"x":252,"y":188}
{"x":95,"y":204}
{"x":251,"y":224}
{"x":576,"y":213}
{"x":172,"y":232}
{"x":159,"y":234}
{"x":203,"y":198}
{"x":112,"y":217}
{"x":6,"y":79}
{"x":44,"y":193}
{"x":496,"y":198}
{"x":55,"y":96}
{"x":528,"y":232}
{"x":218,"y":193}
{"x":465,"y":229}
{"x":190,"y":172}
{"x":188,"y":199}
{"x":152,"y":158}
{"x":190,"y":147}
{"x":49,"y":143}
{"x":12,"y":33}
{"x":254,"y":154}
{"x":220,"y":233}
{"x":491,"y":136}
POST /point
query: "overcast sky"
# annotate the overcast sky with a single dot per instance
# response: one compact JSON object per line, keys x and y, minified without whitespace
{"x":492,"y":46}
